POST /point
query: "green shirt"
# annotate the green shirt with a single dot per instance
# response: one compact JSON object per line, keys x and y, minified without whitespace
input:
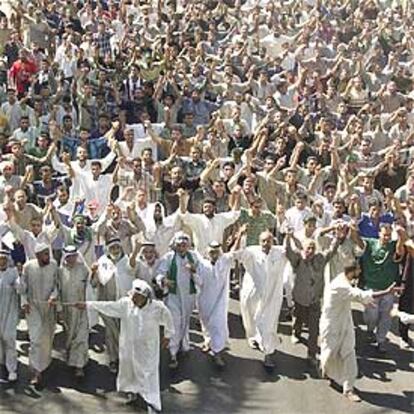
{"x":378,"y":265}
{"x":264,"y":221}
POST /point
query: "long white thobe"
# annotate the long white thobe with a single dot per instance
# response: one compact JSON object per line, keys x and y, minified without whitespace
{"x":181,"y":303}
{"x":205,"y":230}
{"x":213,"y":300}
{"x":39,"y":284}
{"x":96,"y":190}
{"x":115,"y":281}
{"x":139,"y":344}
{"x":261,"y":294}
{"x":9,"y":317}
{"x":72,"y":283}
{"x":338,"y":360}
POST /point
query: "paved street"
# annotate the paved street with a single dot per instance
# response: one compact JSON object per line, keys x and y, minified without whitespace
{"x":386,"y":383}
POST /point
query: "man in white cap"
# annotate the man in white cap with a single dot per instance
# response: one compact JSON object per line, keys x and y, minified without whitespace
{"x":40,"y":291}
{"x":73,"y":277}
{"x":139,"y":343}
{"x":113,"y":275}
{"x":261,"y":294}
{"x":177,"y":276}
{"x":338,"y":359}
{"x":146,"y":262}
{"x":213,"y":299}
{"x":9,"y":314}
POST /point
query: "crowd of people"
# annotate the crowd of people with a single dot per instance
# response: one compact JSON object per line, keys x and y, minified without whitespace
{"x":157,"y":154}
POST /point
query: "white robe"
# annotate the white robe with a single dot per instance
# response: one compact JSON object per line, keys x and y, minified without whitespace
{"x":40,"y":285}
{"x":139,"y":344}
{"x":181,"y":304}
{"x":9,"y":317}
{"x":206,"y":230}
{"x":338,"y":360}
{"x":261,"y":295}
{"x":115,"y":281}
{"x":213,"y":300}
{"x":73,"y":282}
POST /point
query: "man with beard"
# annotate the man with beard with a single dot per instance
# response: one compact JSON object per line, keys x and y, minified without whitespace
{"x":308,"y":267}
{"x":139,"y":344}
{"x":338,"y":359}
{"x":261,"y":294}
{"x":159,"y":228}
{"x":114,"y":226}
{"x":213,"y":298}
{"x":9,"y":314}
{"x":73,"y":276}
{"x":40,"y":291}
{"x":177,"y":275}
{"x":113,"y":275}
{"x":207,"y":226}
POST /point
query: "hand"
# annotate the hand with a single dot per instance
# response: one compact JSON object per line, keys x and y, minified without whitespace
{"x":243,"y":229}
{"x":165,"y":342}
{"x":115,"y":125}
{"x":94,"y":268}
{"x":191,"y":267}
{"x":51,"y":302}
{"x":400,"y":231}
{"x":26,"y":309}
{"x":80,"y":305}
{"x":388,"y":193}
{"x":181,"y":193}
{"x":237,"y":190}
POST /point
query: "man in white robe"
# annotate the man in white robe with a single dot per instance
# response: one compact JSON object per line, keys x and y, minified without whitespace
{"x":177,"y":274}
{"x":207,"y":226}
{"x":338,"y":359}
{"x":139,"y":342}
{"x":73,"y":278}
{"x":261,"y":294}
{"x":113,"y":276}
{"x":213,"y":299}
{"x":9,"y":314}
{"x":39,"y":294}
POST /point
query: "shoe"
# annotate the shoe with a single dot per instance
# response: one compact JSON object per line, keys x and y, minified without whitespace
{"x":219,"y":361}
{"x":352,"y":396}
{"x":131,"y":398}
{"x":173,"y":363}
{"x":253,"y":344}
{"x":113,"y":367}
{"x":35,"y":381}
{"x":294,"y":339}
{"x":12,"y":376}
{"x":79,"y":373}
{"x":205,"y":348}
{"x":268,"y":362}
{"x":371,"y":337}
{"x":289,"y":314}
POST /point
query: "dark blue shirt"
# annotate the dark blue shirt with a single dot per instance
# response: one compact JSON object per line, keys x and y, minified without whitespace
{"x":367,"y":228}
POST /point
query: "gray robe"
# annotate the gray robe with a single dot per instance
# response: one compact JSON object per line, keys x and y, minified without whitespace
{"x":9,"y":317}
{"x":72,"y":288}
{"x":40,"y":285}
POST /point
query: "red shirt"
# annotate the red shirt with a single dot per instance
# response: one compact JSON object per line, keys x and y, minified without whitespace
{"x":21,"y":72}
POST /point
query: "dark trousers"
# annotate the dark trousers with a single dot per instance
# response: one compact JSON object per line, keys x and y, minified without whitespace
{"x":308,"y":315}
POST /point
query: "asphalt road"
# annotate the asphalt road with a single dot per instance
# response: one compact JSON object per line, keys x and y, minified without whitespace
{"x":386,"y":384}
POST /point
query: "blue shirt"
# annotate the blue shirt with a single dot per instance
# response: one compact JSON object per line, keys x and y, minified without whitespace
{"x":367,"y":228}
{"x":97,"y":148}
